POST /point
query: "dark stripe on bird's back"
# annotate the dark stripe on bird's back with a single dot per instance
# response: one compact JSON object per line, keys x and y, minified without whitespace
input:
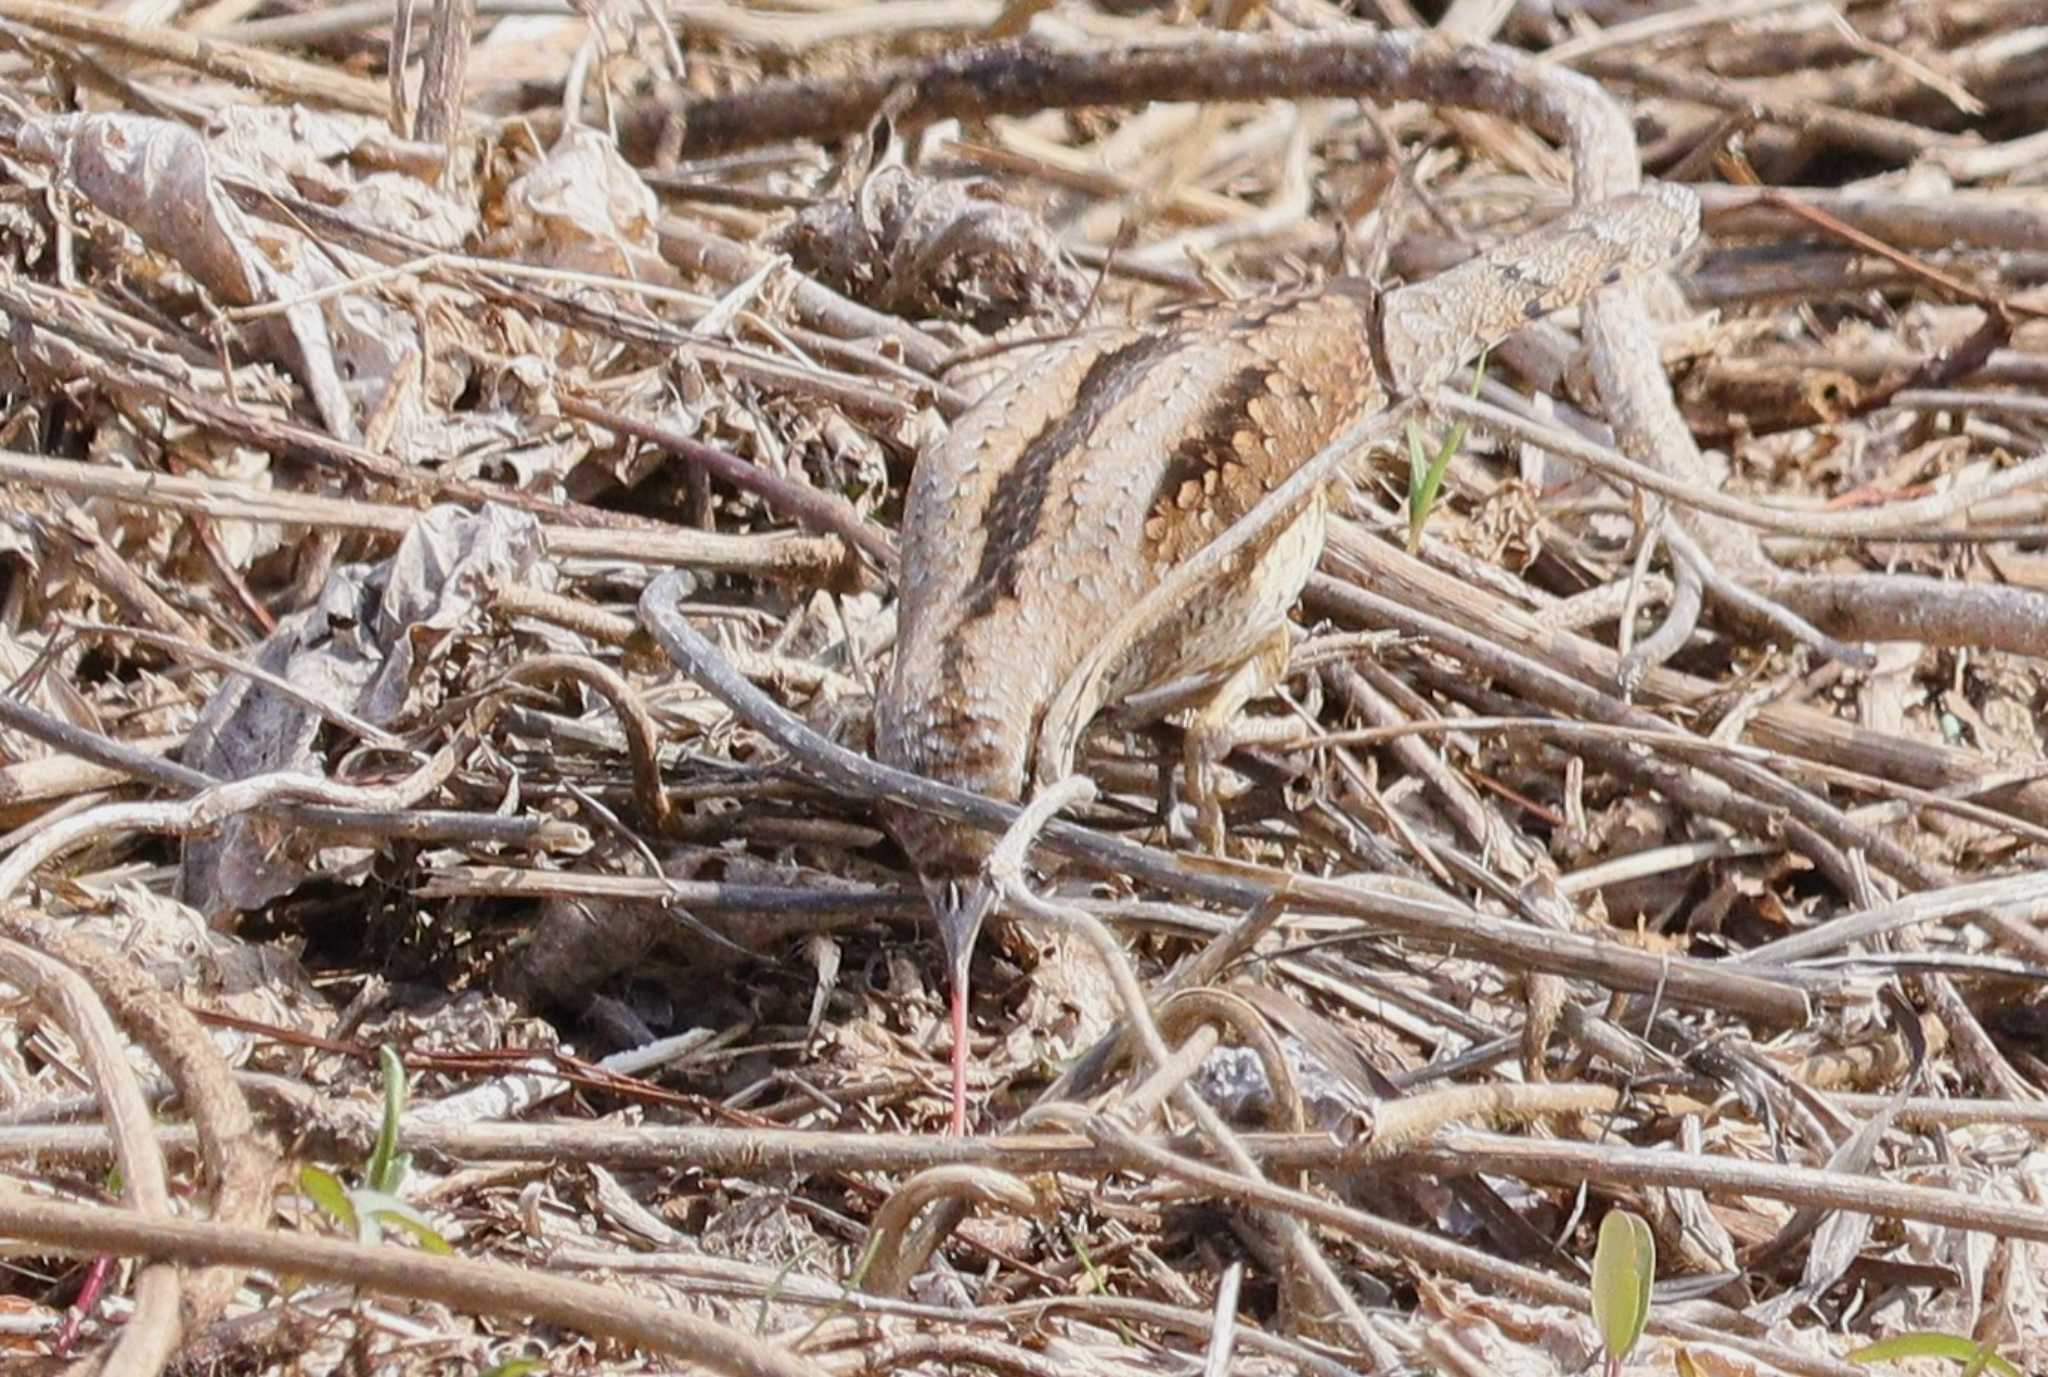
{"x":1211,"y":442}
{"x":1019,"y":501}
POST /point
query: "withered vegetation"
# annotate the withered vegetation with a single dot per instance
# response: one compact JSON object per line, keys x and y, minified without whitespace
{"x":1667,"y":831}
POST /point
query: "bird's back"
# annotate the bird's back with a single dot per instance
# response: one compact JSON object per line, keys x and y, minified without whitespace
{"x":1074,"y":487}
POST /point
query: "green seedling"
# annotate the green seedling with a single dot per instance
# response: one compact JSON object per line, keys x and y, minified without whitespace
{"x":515,"y":1367}
{"x":1624,"y":1266}
{"x":1426,"y":468}
{"x":1975,"y":1357}
{"x":1097,"y":1278}
{"x":369,"y":1209}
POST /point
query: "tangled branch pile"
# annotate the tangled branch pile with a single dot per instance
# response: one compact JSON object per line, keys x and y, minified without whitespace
{"x":1662,"y":826}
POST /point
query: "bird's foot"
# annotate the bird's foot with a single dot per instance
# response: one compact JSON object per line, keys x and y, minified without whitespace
{"x":1219,"y":726}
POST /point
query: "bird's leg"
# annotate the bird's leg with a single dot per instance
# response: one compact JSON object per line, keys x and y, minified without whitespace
{"x":1215,"y":729}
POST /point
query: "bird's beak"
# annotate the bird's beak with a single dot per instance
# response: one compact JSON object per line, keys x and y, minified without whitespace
{"x":960,"y":908}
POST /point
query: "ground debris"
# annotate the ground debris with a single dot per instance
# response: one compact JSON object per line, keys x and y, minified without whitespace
{"x":335,"y":459}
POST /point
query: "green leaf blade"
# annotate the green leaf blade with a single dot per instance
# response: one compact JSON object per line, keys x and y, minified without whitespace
{"x":1624,"y":1268}
{"x":1933,"y":1344}
{"x":328,"y":1195}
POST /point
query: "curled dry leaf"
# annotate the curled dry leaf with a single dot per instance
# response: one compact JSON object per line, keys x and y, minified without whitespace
{"x":159,"y":178}
{"x":369,"y":645}
{"x":947,"y":250}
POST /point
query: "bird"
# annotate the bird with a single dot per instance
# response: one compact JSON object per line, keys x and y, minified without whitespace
{"x":1107,"y":459}
{"x":1060,"y":499}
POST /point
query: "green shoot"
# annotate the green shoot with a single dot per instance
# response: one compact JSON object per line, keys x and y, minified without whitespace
{"x":1097,"y":1278}
{"x":386,"y":1168}
{"x":369,"y":1209}
{"x":1426,"y":469}
{"x":1098,"y":1283}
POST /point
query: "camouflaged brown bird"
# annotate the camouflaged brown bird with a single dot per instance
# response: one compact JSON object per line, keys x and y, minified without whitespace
{"x":1109,"y":458}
